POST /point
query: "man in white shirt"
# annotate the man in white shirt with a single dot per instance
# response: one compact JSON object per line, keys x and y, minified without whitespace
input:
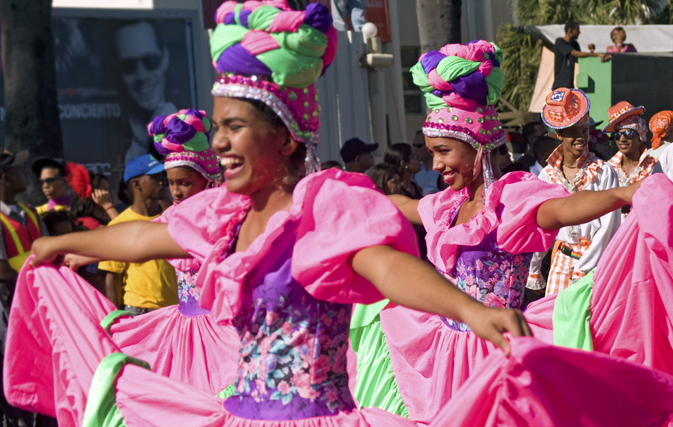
{"x":571,"y":165}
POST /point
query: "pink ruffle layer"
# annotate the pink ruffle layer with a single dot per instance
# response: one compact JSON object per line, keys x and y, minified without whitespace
{"x":510,"y":207}
{"x":431,"y":361}
{"x":192,"y":350}
{"x":542,"y":385}
{"x":632,"y":301}
{"x":52,"y":354}
{"x":335,"y":214}
{"x":146,"y":399}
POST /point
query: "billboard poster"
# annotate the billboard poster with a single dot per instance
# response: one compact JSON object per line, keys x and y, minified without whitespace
{"x":113,"y":76}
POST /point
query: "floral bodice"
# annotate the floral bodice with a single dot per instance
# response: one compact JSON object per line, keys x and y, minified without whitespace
{"x":292,"y":361}
{"x":490,"y":275}
{"x":188,"y":292}
{"x":289,"y":294}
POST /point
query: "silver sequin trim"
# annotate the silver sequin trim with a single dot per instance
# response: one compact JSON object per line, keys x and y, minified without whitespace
{"x":461,"y":136}
{"x":234,"y":90}
{"x":177,"y":163}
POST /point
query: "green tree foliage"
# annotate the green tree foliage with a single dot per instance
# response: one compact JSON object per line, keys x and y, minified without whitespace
{"x":520,"y":64}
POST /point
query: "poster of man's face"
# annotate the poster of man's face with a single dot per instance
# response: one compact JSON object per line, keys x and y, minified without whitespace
{"x":143,"y":63}
{"x":114,"y":76}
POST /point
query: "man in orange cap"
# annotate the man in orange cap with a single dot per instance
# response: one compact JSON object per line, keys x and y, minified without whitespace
{"x":661,"y":125}
{"x":633,"y":161}
{"x":571,"y":165}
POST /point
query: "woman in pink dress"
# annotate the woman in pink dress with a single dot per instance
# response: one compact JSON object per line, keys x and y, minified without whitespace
{"x":482,"y":233}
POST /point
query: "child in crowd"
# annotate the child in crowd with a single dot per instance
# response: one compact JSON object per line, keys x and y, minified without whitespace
{"x":403,"y":157}
{"x":152,"y":284}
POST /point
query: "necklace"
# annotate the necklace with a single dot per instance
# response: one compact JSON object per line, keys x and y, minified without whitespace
{"x":570,"y":167}
{"x":571,"y":186}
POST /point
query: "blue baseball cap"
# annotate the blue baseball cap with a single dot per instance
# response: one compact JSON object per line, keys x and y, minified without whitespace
{"x":143,"y":165}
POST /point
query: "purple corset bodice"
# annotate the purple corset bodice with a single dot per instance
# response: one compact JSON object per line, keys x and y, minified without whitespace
{"x":292,"y":361}
{"x":189,"y":293}
{"x":490,"y":275}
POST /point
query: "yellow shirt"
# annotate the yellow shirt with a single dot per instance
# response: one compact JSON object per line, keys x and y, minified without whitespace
{"x":152,"y":284}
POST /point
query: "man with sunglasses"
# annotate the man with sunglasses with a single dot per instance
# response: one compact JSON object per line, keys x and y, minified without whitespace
{"x":633,"y":161}
{"x":51,"y":173}
{"x":143,"y":63}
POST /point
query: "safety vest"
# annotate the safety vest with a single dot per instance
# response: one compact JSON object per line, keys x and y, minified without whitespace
{"x":19,"y":238}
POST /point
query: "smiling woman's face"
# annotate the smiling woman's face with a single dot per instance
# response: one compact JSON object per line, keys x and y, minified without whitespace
{"x":254,"y":153}
{"x":453,"y":159}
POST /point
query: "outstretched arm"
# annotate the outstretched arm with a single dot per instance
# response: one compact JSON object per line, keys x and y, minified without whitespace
{"x":135,"y":241}
{"x":410,"y":282}
{"x":583,"y":207}
{"x":408,"y":207}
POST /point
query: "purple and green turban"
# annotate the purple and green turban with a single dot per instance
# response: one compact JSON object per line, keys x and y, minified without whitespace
{"x":461,"y":84}
{"x":184,"y":138}
{"x":265,"y":51}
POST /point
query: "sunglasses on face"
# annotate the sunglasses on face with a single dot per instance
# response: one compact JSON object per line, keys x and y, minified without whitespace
{"x":49,"y":181}
{"x":150,"y":62}
{"x":628,"y":134}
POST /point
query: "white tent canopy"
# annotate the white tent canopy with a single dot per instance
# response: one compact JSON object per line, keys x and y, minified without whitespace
{"x":646,"y":38}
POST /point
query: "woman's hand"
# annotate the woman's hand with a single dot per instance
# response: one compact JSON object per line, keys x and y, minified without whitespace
{"x":102,"y":198}
{"x":76,"y":261}
{"x":491,"y":323}
{"x":44,"y":250}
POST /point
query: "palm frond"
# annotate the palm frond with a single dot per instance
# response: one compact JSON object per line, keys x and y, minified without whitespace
{"x":521,"y":60}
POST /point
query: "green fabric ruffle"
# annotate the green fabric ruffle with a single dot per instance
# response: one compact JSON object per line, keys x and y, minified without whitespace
{"x":376,"y":383}
{"x":572,"y":315}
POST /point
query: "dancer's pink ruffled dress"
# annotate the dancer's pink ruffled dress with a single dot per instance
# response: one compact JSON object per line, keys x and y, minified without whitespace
{"x":289,"y":302}
{"x":543,"y":385}
{"x":625,"y":311}
{"x":488,"y":259}
{"x":182,"y":341}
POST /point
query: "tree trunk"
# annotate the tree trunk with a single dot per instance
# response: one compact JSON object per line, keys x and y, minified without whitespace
{"x":438,"y":23}
{"x":31,"y":104}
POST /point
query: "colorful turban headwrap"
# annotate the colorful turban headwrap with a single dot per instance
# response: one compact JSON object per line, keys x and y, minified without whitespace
{"x":461,"y":83}
{"x":184,"y":137}
{"x":660,"y":125}
{"x":268,"y":52}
